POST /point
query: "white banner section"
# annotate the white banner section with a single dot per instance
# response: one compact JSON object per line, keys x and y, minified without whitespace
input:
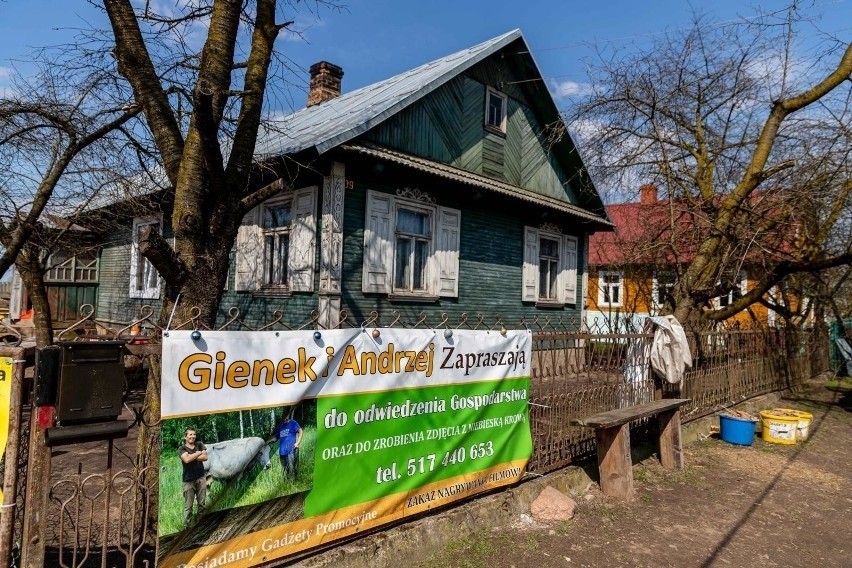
{"x":231,"y":370}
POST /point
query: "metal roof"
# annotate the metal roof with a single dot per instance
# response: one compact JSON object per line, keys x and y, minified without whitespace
{"x":464,"y":176}
{"x":338,"y":120}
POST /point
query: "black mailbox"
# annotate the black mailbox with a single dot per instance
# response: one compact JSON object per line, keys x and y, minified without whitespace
{"x":91,"y":381}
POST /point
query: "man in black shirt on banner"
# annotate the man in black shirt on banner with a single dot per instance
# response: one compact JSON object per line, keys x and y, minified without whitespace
{"x":193,"y":455}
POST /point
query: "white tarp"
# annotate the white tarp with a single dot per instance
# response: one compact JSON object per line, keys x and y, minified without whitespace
{"x":845,"y":352}
{"x":670,"y":355}
{"x":667,"y":353}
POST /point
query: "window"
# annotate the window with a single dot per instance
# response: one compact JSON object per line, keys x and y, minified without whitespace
{"x":610,"y":289}
{"x":412,"y":249}
{"x":276,"y":245}
{"x":64,"y":266}
{"x":144,"y":280}
{"x":735,"y":293}
{"x":411,"y":246}
{"x":550,"y":267}
{"x":662,"y":288}
{"x":495,"y":110}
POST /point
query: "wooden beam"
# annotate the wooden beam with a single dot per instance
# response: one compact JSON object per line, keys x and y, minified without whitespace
{"x":624,"y":415}
{"x":614,"y":463}
{"x":671,"y":452}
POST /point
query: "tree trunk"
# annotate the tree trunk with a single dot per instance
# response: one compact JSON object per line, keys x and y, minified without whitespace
{"x":32,"y":275}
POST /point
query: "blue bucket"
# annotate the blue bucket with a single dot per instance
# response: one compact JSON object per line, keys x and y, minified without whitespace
{"x":736,"y":430}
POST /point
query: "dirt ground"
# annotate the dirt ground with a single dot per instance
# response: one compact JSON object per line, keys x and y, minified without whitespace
{"x":759,"y":506}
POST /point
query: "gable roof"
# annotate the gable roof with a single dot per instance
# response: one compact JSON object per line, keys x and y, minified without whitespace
{"x":333,"y":122}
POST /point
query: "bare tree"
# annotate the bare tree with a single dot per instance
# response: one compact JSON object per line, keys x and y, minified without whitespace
{"x":64,"y":132}
{"x":60,"y":134}
{"x":204,"y":105}
{"x":743,"y":138}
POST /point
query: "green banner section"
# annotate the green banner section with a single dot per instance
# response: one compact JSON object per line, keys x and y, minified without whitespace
{"x":378,"y":444}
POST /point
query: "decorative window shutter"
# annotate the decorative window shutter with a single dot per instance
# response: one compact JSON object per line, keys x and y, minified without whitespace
{"x":378,"y":252}
{"x":249,"y":253}
{"x":302,"y":254}
{"x":16,"y":295}
{"x":148,"y":292}
{"x":569,"y":270}
{"x":447,"y":252}
{"x":529,"y":292}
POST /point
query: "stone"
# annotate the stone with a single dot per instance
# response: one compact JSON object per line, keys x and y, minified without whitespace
{"x":551,"y":505}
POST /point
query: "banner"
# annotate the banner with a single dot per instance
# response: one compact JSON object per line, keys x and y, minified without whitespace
{"x":276,"y":442}
{"x":5,"y":407}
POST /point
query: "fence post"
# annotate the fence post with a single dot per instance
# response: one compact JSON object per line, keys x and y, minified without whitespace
{"x":38,"y":486}
{"x":13,"y":445}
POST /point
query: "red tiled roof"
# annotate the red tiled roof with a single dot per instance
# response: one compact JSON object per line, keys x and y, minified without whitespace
{"x":665,"y":232}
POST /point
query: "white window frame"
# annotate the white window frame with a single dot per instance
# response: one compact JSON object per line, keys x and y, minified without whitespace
{"x":418,"y":207}
{"x":504,"y":104}
{"x":147,"y":292}
{"x":557,"y":238}
{"x":380,"y":244}
{"x":603,"y":287}
{"x":276,"y":233}
{"x":655,"y":288}
{"x":249,"y":273}
{"x":566,"y":279}
{"x":73,"y":264}
{"x":729,"y":297}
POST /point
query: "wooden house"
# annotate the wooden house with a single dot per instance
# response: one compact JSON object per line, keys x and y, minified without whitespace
{"x":633,"y":269}
{"x":449,"y":188}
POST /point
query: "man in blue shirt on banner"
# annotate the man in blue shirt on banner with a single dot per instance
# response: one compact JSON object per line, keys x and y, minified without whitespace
{"x":289,"y":436}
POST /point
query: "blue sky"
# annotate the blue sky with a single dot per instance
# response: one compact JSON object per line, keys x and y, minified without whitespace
{"x":374,"y":39}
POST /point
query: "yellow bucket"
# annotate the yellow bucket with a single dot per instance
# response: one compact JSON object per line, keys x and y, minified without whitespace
{"x":804,"y":426}
{"x":779,"y":426}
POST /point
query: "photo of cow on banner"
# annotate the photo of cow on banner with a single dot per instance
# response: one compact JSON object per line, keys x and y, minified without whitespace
{"x":250,"y":456}
{"x":277,"y":442}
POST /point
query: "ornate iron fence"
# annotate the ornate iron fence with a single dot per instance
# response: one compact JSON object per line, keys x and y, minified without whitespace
{"x":108,"y":518}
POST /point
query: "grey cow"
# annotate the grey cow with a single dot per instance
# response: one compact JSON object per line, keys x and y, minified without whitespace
{"x":230,"y":458}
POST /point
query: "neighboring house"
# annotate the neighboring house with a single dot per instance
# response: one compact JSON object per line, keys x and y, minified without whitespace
{"x":71,"y":275}
{"x":633,"y":270}
{"x":440,"y":190}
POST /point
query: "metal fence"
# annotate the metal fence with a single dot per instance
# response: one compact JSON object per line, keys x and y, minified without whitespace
{"x":108,"y":518}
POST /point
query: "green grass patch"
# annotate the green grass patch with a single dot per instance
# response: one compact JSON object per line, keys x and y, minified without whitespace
{"x":473,"y":551}
{"x":839,"y":383}
{"x":256,"y":485}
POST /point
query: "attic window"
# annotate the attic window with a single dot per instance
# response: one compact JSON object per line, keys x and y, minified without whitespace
{"x":495,"y":110}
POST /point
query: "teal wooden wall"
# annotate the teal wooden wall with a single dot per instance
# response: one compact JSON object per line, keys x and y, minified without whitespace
{"x":65,"y":300}
{"x":114,"y":302}
{"x":491,"y":257}
{"x":491,"y":252}
{"x":448,"y":126}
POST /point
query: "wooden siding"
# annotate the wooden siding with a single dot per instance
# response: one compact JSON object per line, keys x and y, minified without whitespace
{"x":115,"y":304}
{"x":65,"y":300}
{"x":114,"y":301}
{"x":490,"y":259}
{"x":447,"y":126}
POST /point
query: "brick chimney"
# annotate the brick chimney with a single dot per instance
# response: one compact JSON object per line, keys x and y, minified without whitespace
{"x":325,"y":82}
{"x":648,"y":194}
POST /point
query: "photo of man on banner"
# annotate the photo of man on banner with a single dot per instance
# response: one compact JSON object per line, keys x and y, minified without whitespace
{"x":193,"y":454}
{"x":288,"y":434}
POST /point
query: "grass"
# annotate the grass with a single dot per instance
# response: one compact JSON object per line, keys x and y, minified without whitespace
{"x":256,"y":485}
{"x":474,"y":551}
{"x":839,"y":383}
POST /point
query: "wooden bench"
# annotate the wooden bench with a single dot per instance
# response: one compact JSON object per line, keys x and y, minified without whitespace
{"x":612,"y":434}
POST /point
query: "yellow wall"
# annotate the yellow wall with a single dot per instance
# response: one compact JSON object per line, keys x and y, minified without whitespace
{"x":638,"y":294}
